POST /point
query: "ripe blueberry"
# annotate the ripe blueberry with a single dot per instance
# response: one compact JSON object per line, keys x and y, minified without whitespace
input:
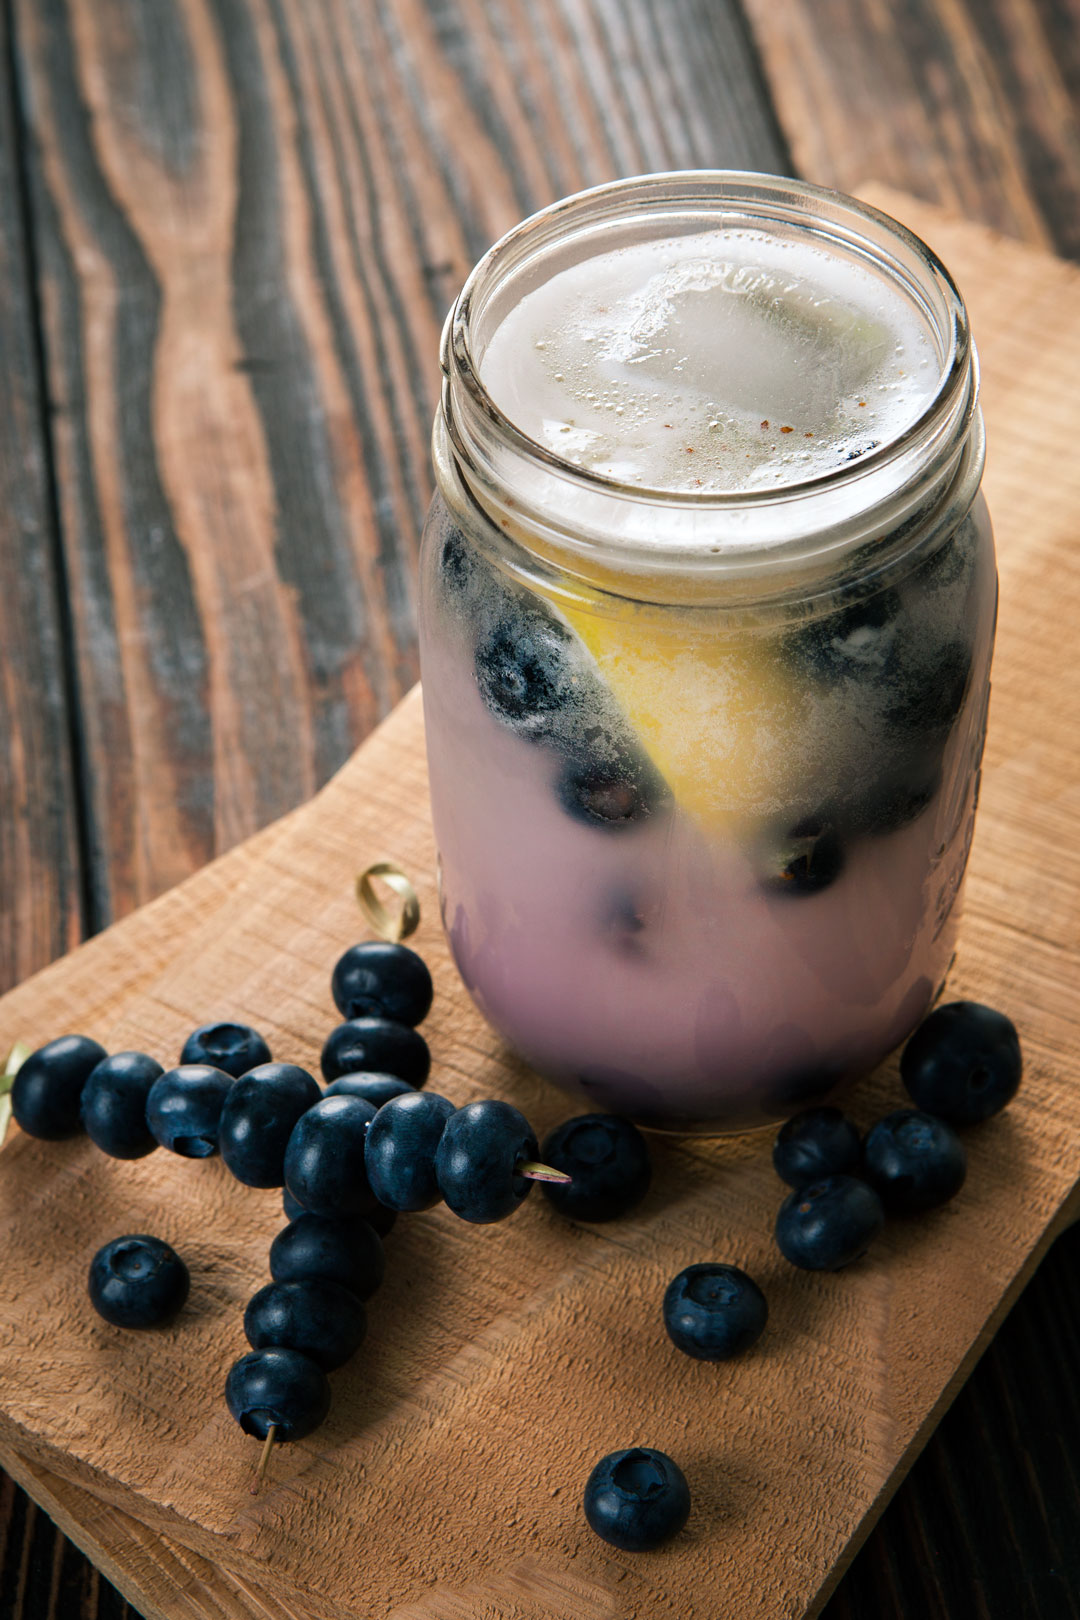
{"x":608,"y":1162}
{"x":46,"y":1091}
{"x":810,"y":859}
{"x":522,"y":670}
{"x":914,"y":1161}
{"x":257,"y":1120}
{"x":345,"y":1251}
{"x":277,"y":1389}
{"x":376,"y":1046}
{"x":477,"y":1158}
{"x":322,"y":1320}
{"x":818,"y":1142}
{"x":374,"y":1088}
{"x":713,"y":1311}
{"x":235,"y":1048}
{"x":381,"y":980}
{"x":184,"y":1107}
{"x":829,"y":1223}
{"x":113,"y":1104}
{"x":324,"y":1161}
{"x":637,"y":1499}
{"x":963,"y":1063}
{"x":137,"y":1282}
{"x":401,"y":1148}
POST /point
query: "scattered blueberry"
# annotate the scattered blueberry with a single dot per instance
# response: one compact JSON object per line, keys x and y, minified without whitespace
{"x":257,"y":1120}
{"x":712,"y":1311}
{"x":184,"y":1107}
{"x":374,"y":1088}
{"x":914,"y":1161}
{"x":810,"y":859}
{"x":608,"y":1161}
{"x":963,"y":1063}
{"x":818,"y":1142}
{"x":637,"y":1499}
{"x":523,"y":671}
{"x":46,"y":1092}
{"x":277,"y":1389}
{"x":610,"y":793}
{"x":324,"y":1161}
{"x":380,"y":980}
{"x":401,"y":1148}
{"x":345,"y":1251}
{"x":376,"y":1046}
{"x":113,"y":1104}
{"x":480,"y":1148}
{"x":829,"y":1223}
{"x":236,"y":1048}
{"x":320,"y":1319}
{"x":138,"y":1282}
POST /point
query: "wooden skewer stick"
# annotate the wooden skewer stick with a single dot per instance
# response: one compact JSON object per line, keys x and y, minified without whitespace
{"x":264,"y":1460}
{"x":541,"y":1172}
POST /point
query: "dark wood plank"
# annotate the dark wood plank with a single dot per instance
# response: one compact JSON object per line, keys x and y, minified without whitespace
{"x":40,"y":874}
{"x":971,"y":103}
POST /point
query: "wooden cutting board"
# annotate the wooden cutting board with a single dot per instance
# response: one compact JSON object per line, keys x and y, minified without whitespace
{"x":502,"y":1362}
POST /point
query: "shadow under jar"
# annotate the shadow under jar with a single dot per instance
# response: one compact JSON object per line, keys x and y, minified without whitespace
{"x":707,"y":610}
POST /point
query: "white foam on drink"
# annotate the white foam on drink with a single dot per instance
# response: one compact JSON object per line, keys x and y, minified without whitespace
{"x":726,"y":360}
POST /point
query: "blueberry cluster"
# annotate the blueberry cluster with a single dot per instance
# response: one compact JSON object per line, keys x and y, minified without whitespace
{"x":961,"y":1066}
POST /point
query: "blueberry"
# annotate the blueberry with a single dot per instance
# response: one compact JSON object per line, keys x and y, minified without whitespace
{"x":277,"y":1389}
{"x":46,"y":1092}
{"x":914,"y":1161}
{"x":374,"y":1088}
{"x":855,"y":642}
{"x":713,"y":1312}
{"x":236,"y":1048}
{"x":184,"y":1107}
{"x":401,"y":1148}
{"x":818,"y":1142}
{"x":829,"y":1223}
{"x":637,"y":1499}
{"x":322,"y":1320}
{"x":897,"y":797}
{"x":455,"y":561}
{"x":113,"y":1104}
{"x":809,"y":860}
{"x":324,"y":1161}
{"x":380,"y":1219}
{"x":930,"y":694}
{"x":608,"y":1161}
{"x":381,"y":980}
{"x":477,"y":1159}
{"x":523,"y":669}
{"x":138,"y":1282}
{"x":379,"y":1046}
{"x":345,"y":1251}
{"x":258,"y":1118}
{"x":610,"y":793}
{"x":292,"y":1206}
{"x":963,"y":1063}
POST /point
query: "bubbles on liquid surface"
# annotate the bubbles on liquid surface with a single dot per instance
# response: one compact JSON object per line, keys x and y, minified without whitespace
{"x":724,"y":360}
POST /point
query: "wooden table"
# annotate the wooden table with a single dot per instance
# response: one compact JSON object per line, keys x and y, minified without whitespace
{"x":229,"y":232}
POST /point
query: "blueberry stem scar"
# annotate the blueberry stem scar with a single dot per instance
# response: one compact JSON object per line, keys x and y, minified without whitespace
{"x":264,"y":1460}
{"x":540,"y":1172}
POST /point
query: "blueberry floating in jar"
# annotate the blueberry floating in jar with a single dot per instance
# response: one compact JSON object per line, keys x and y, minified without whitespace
{"x":367,"y":1045}
{"x":523,"y":670}
{"x":320,"y":1319}
{"x":816,"y":1143}
{"x":378,"y":979}
{"x":184,"y":1107}
{"x":931,"y":692}
{"x":373,"y":1088}
{"x":854,"y":643}
{"x":610,"y":793}
{"x":47,"y":1091}
{"x":401,"y":1146}
{"x":277,"y":1393}
{"x":324,"y":1161}
{"x":235,"y":1048}
{"x":138,"y":1281}
{"x":346,"y":1251}
{"x":810,"y":859}
{"x":914,"y":1161}
{"x":637,"y":1499}
{"x":963,"y":1063}
{"x":113,"y":1104}
{"x":713,"y":1311}
{"x":828,"y":1224}
{"x":257,"y":1119}
{"x":607,"y":1160}
{"x":478,"y":1160}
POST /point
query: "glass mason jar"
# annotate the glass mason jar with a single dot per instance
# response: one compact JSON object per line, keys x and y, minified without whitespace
{"x":704,"y":751}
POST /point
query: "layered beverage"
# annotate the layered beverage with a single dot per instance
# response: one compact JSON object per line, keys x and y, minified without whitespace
{"x":707,"y":605}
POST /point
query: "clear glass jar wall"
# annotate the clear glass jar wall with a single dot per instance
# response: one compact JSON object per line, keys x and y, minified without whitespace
{"x":704,"y":765}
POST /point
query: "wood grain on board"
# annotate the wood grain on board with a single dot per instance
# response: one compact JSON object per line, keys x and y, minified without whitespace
{"x":433,"y":1437}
